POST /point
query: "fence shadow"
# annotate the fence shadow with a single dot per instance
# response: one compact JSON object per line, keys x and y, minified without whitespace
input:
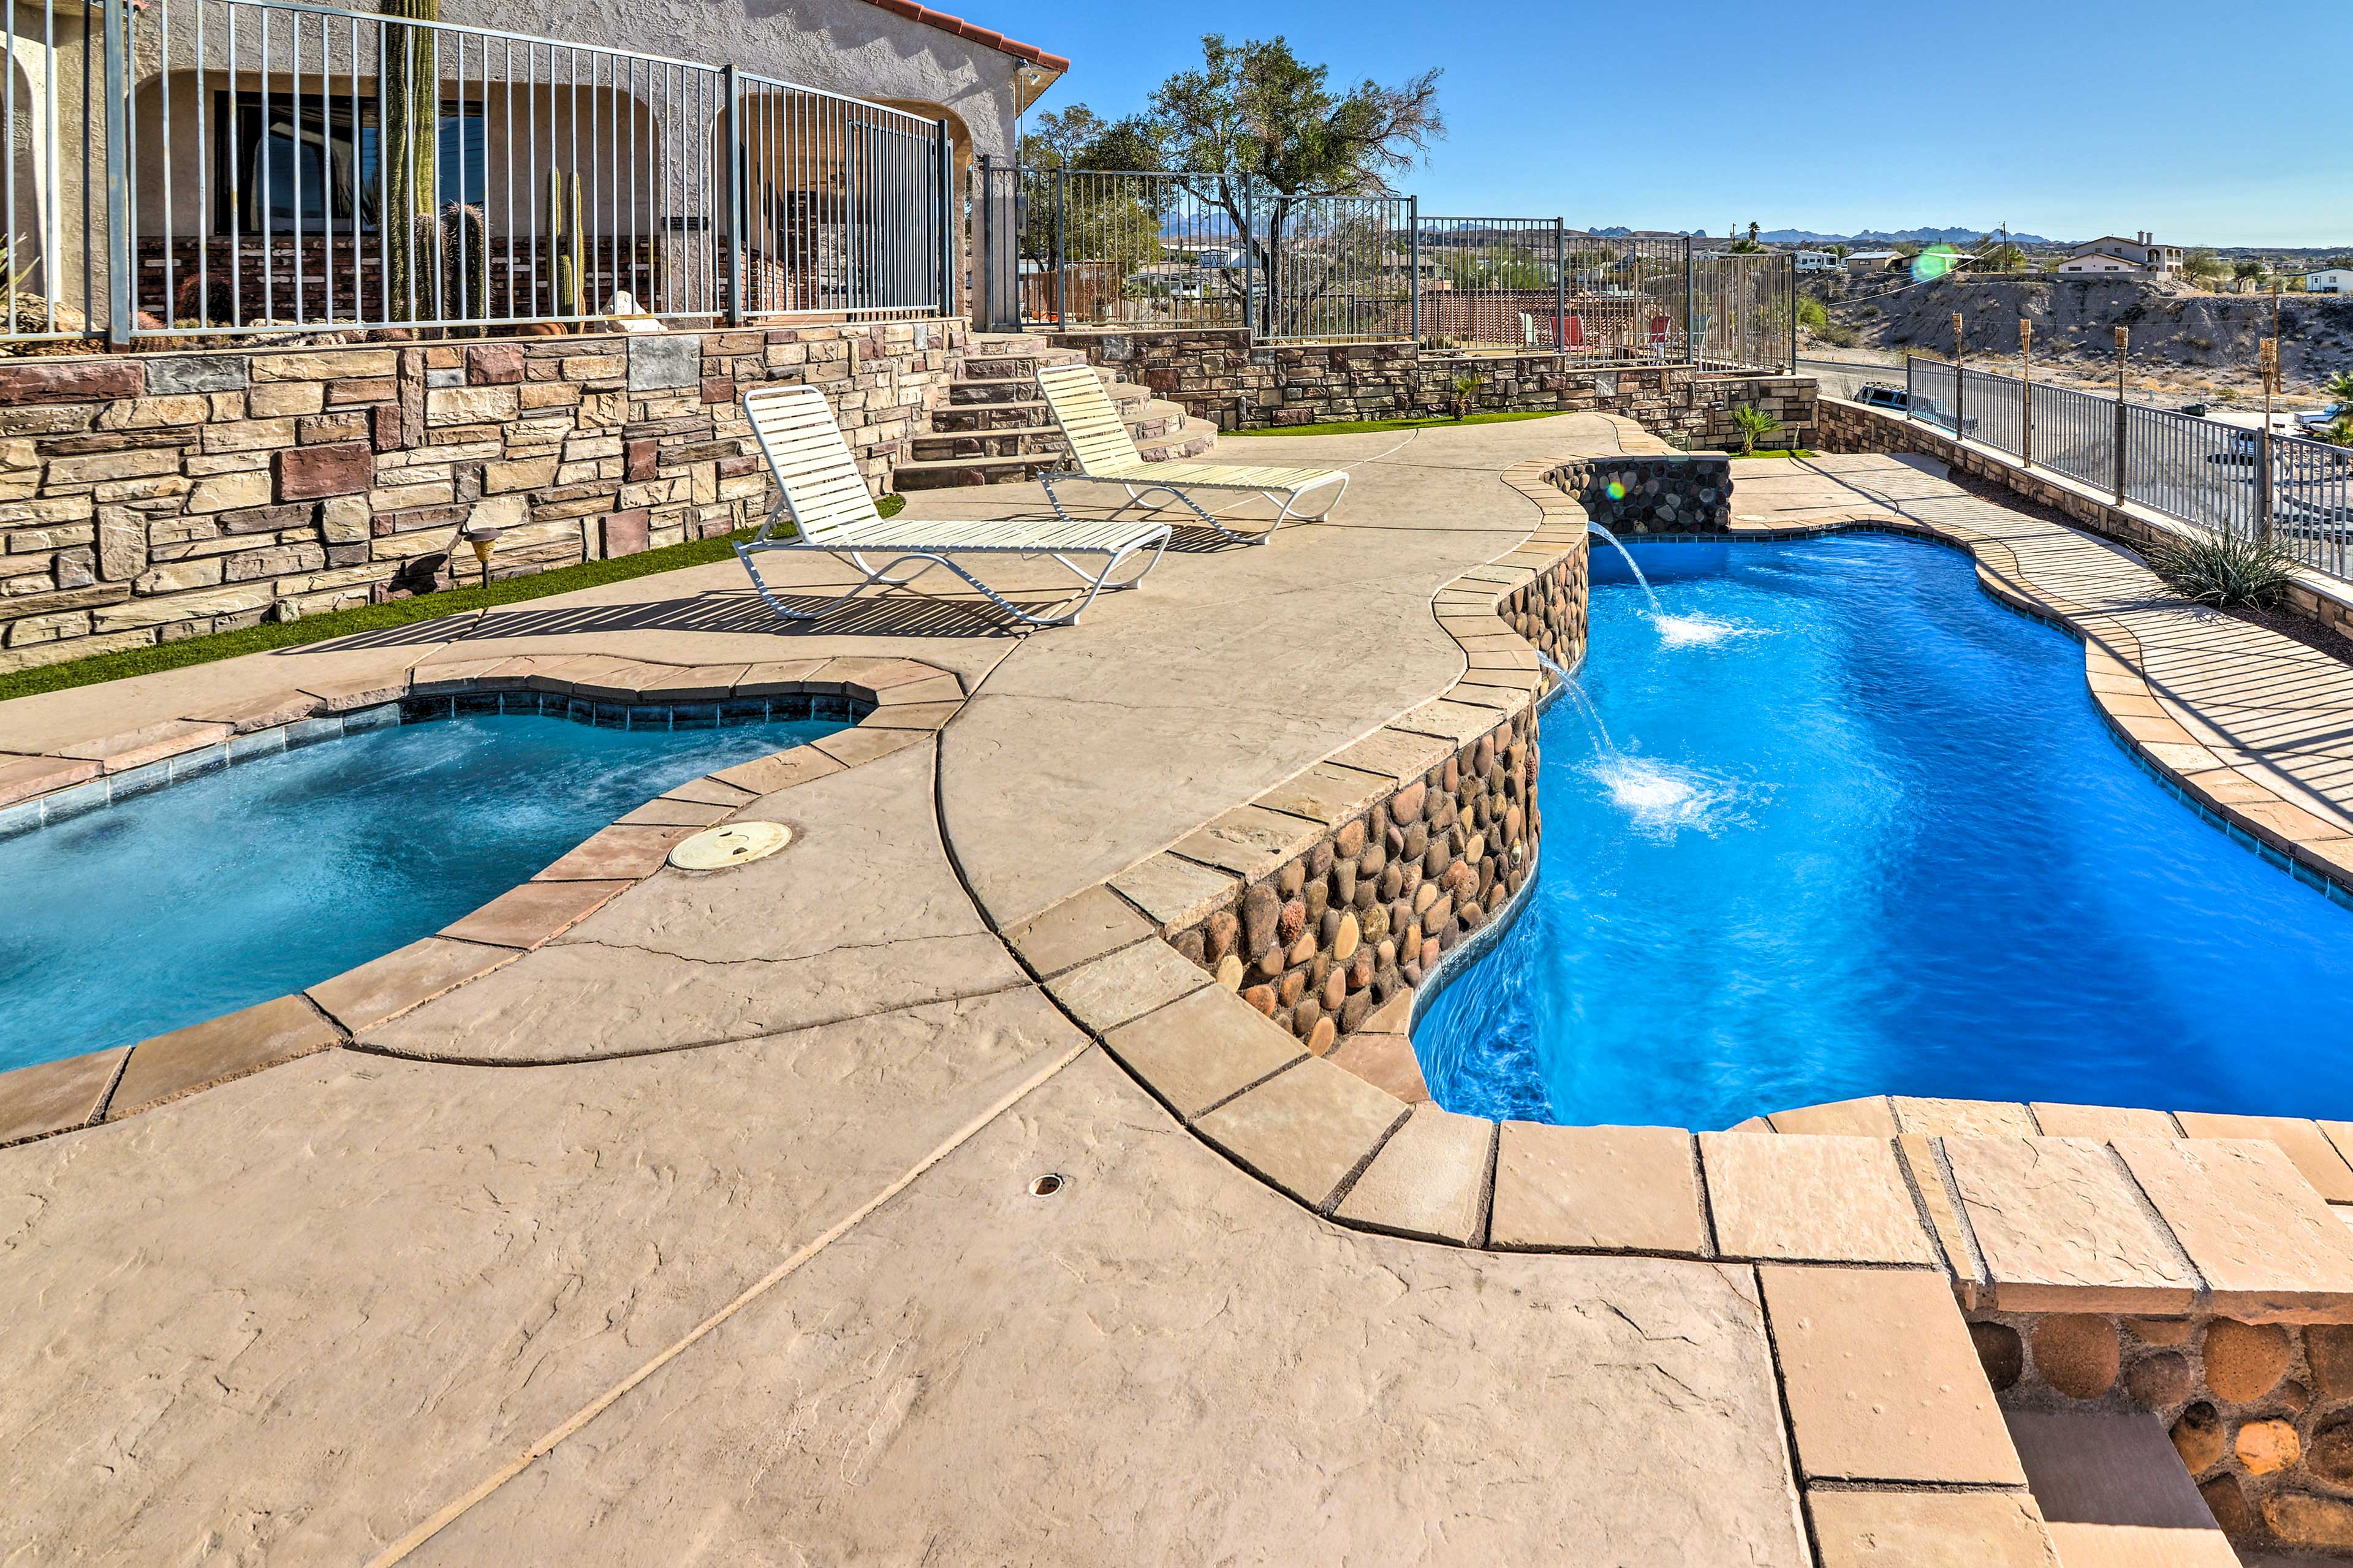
{"x":734,"y":611}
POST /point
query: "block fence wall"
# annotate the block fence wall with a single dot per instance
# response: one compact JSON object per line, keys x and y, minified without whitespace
{"x":149,"y":498}
{"x":1851,"y":427}
{"x":1218,"y":376}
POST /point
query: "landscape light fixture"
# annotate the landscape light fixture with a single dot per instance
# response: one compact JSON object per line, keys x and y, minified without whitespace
{"x":484,"y":538}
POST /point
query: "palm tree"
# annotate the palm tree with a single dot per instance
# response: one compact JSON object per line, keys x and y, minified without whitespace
{"x":1753,"y":423}
{"x":2340,"y":387}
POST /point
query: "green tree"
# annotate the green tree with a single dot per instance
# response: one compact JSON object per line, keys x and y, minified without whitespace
{"x":2205,"y":266}
{"x":1754,"y":425}
{"x":2340,"y":387}
{"x":1255,"y":108}
{"x":1752,"y":231}
{"x":1114,"y":224}
{"x":1842,"y":251}
{"x":1078,"y":138}
{"x":2247,"y":271}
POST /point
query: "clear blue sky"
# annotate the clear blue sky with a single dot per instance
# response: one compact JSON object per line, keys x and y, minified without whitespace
{"x":2065,"y":118}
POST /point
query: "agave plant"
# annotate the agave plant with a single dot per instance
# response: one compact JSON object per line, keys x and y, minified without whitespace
{"x":2226,"y":569}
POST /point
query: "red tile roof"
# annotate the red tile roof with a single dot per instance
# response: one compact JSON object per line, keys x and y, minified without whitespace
{"x":978,"y":35}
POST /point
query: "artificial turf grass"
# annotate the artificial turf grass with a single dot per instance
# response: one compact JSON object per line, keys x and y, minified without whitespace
{"x":1369,"y":427}
{"x":104,"y":667}
{"x":1775,"y":452}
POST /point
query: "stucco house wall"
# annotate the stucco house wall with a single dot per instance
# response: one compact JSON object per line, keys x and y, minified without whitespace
{"x":920,"y":63}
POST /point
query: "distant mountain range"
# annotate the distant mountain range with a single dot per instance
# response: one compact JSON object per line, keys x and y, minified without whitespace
{"x":1868,"y":237}
{"x":1887,"y":237}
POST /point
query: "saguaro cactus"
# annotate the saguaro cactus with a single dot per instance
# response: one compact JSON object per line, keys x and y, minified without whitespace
{"x":567,"y":275}
{"x":465,"y":262}
{"x":409,"y":87}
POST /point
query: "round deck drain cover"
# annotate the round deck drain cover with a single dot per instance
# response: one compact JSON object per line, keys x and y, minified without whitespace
{"x":735,"y":844}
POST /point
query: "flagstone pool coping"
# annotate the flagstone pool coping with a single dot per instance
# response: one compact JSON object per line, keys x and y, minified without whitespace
{"x":1351,"y":1135}
{"x":895,"y":703}
{"x":1864,"y":1223}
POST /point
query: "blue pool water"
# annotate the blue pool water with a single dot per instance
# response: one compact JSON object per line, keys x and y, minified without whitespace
{"x":258,"y":879}
{"x":1864,"y":832}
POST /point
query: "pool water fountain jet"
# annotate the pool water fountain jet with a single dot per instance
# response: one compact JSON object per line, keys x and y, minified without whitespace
{"x":1614,"y":543}
{"x":1661,"y":798}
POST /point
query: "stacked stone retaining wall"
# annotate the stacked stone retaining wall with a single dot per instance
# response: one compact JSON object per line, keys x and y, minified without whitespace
{"x":152,"y":497}
{"x":1218,"y":376}
{"x":2262,"y":1413}
{"x":1648,"y":495}
{"x":1369,"y":908}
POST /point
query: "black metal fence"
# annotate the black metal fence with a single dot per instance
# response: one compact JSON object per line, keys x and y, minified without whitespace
{"x":2213,"y":474}
{"x":1092,"y":249}
{"x":215,"y":167}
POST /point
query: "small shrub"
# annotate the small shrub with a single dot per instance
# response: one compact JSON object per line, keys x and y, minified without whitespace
{"x":1812,"y":316}
{"x":2227,"y":570}
{"x":1754,"y":425}
{"x":1466,"y":387}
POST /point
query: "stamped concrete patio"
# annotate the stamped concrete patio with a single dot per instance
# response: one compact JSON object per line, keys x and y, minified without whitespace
{"x":707,"y":1231}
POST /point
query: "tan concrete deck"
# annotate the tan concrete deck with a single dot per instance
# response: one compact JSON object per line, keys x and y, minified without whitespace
{"x":763,"y":1279}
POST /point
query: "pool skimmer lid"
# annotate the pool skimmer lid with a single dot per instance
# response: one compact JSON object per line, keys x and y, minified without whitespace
{"x":733,"y":843}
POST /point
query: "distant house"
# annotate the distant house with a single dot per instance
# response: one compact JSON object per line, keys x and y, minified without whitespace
{"x":1872,"y":260}
{"x":2329,"y":280}
{"x":2113,"y":253}
{"x":1817,"y":261}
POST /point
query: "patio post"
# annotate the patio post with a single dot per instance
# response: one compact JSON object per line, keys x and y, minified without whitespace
{"x":1560,"y":288}
{"x":120,"y":279}
{"x":730,"y":137}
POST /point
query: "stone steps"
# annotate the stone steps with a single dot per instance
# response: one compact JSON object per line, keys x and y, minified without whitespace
{"x":962,"y":418}
{"x":1191,"y":438}
{"x":1147,"y":420}
{"x":994,"y":428}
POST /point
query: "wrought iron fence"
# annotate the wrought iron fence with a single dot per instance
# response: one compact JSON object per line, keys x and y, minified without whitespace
{"x":1333,"y":269}
{"x":1491,"y":283}
{"x":2072,"y":432}
{"x":1744,"y":311}
{"x":1076,"y":249}
{"x":269,"y":165}
{"x":2228,"y":478}
{"x":1072,"y":248}
{"x":2312,"y":502}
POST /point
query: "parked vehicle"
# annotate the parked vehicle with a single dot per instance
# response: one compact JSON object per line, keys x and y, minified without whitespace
{"x":1927,"y":410}
{"x":2323,"y":418}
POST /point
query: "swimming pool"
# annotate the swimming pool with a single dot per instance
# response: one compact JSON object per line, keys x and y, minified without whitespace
{"x":254,"y":881}
{"x":1856,"y":828}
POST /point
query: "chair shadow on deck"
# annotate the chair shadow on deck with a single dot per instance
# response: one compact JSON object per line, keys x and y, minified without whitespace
{"x":919,"y":613}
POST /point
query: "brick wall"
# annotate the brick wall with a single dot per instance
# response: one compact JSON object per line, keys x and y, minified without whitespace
{"x":148,"y":497}
{"x":1219,"y":376}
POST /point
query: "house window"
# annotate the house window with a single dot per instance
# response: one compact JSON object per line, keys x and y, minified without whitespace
{"x":309,"y":164}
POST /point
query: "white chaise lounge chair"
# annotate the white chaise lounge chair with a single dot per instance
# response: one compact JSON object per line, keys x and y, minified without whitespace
{"x":1102,"y":450}
{"x":825,"y":496}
